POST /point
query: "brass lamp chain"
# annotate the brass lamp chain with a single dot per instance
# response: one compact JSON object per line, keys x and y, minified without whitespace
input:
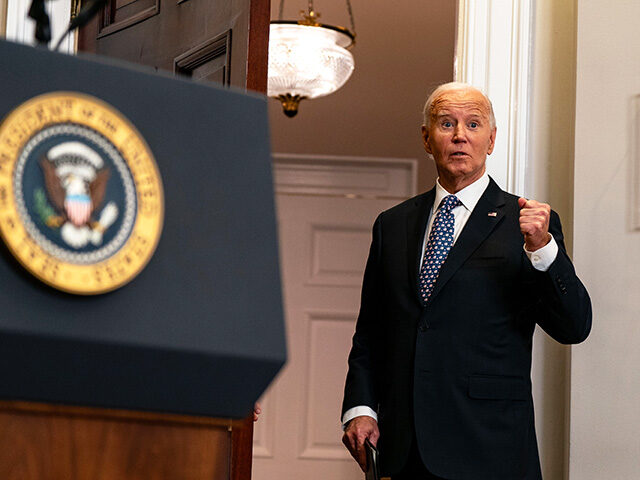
{"x":281,"y":9}
{"x":353,"y":23}
{"x":311,"y":9}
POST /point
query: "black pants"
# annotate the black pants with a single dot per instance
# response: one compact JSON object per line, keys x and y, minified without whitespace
{"x":414,"y":469}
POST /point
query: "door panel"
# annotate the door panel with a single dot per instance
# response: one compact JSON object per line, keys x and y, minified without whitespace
{"x":323,"y":243}
{"x":120,"y":14}
{"x":325,"y":212}
{"x":207,"y":61}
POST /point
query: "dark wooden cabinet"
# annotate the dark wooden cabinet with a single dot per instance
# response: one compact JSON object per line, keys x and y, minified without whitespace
{"x":224,"y":41}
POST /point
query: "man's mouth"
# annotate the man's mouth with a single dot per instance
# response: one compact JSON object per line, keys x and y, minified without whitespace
{"x":458,"y":154}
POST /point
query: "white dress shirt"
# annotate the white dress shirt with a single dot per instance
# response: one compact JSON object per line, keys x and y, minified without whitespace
{"x":541,"y":259}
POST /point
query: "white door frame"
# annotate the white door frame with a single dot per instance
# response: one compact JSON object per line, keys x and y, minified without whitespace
{"x":20,"y":28}
{"x":494,"y":53}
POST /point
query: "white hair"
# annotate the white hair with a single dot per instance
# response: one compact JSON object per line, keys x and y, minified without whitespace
{"x":454,"y":87}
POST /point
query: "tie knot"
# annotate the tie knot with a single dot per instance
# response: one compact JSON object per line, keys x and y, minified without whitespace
{"x":449,"y":202}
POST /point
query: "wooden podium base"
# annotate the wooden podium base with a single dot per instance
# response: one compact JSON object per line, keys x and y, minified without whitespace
{"x":51,"y":442}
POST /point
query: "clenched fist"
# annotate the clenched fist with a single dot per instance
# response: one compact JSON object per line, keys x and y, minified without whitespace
{"x":359,"y":429}
{"x":534,"y":223}
{"x":257,"y":410}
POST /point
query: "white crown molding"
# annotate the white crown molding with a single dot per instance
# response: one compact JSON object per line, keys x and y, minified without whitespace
{"x":493,"y":53}
{"x":20,"y":28}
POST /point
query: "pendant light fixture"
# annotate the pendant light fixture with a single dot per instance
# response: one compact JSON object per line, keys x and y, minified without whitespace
{"x":308,"y":59}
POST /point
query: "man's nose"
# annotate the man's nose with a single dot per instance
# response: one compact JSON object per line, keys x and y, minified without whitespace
{"x":459,"y":134}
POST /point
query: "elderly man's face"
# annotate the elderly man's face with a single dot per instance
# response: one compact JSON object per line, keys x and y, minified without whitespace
{"x":459,"y":137}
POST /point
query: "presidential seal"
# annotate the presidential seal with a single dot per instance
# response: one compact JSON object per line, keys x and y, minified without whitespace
{"x":81,"y":201}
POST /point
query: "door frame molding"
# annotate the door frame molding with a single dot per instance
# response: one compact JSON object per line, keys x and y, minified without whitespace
{"x":494,"y":53}
{"x":341,"y":175}
{"x":20,"y":28}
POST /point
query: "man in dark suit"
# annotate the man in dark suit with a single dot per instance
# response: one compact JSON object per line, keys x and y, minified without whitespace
{"x":456,"y":280}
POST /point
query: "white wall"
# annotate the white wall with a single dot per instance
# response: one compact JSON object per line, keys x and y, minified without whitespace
{"x":549,"y":178}
{"x":605,"y":377}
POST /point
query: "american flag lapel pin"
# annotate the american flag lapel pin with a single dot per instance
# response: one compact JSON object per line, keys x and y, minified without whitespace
{"x":492,"y":214}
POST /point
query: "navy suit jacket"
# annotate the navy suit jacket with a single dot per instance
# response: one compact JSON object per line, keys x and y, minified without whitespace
{"x":458,"y":370}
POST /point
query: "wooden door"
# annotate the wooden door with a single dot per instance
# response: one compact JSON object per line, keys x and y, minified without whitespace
{"x":224,"y":41}
{"x":325,"y":208}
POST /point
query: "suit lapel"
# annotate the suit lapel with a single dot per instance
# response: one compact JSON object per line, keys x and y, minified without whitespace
{"x":476,"y":230}
{"x":416,"y":227}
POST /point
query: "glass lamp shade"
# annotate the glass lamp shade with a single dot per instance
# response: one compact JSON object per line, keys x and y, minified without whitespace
{"x":307,"y":61}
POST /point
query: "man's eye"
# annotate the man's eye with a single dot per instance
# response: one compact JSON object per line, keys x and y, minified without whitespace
{"x":473,"y":124}
{"x":447,"y":124}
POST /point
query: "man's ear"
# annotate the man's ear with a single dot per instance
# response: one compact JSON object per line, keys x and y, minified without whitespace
{"x":492,"y":141}
{"x":425,"y":139}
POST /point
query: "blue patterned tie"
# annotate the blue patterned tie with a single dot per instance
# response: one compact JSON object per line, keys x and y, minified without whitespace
{"x":438,"y":245}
